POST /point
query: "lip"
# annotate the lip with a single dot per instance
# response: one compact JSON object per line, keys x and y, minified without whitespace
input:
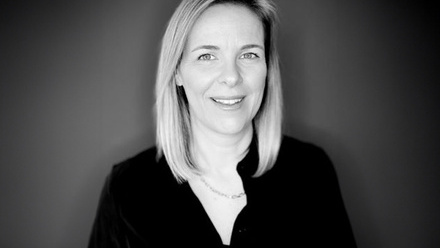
{"x":228,"y":102}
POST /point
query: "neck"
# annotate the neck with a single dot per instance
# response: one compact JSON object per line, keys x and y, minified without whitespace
{"x":219,"y":154}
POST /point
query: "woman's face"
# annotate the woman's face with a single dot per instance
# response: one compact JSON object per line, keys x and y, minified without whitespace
{"x":223,"y":69}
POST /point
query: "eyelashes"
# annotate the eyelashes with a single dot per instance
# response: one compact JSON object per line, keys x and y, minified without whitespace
{"x":249,"y":56}
{"x":206,"y":56}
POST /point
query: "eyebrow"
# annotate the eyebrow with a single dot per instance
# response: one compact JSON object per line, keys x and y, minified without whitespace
{"x":251,"y":46}
{"x":212,"y":47}
{"x":207,"y":47}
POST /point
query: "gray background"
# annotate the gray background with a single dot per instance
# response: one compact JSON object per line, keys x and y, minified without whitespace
{"x":76,"y":96}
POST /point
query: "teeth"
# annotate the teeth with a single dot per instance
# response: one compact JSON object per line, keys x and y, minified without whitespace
{"x":229,"y":101}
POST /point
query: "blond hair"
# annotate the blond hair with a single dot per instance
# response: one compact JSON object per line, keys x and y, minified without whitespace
{"x":173,"y":126}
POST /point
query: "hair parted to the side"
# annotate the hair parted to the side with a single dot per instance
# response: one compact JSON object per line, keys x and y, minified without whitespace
{"x":173,"y":126}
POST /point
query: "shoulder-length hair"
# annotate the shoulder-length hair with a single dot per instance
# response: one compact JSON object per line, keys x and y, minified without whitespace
{"x":173,"y":127}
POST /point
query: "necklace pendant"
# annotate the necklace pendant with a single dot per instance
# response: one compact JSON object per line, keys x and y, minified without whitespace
{"x":238,"y":196}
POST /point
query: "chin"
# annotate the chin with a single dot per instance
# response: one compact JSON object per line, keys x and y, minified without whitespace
{"x":233,"y":128}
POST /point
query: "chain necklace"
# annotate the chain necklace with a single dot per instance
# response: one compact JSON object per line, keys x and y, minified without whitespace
{"x":221,"y":193}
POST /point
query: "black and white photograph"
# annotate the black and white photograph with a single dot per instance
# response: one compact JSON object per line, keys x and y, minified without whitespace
{"x":220,"y":123}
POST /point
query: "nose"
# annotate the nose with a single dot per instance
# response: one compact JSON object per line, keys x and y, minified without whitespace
{"x":231,"y":74}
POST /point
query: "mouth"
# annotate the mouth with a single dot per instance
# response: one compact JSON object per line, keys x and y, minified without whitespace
{"x":228,"y":101}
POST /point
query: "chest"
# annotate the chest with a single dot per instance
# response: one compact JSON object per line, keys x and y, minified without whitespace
{"x":200,"y":219}
{"x":222,"y":211}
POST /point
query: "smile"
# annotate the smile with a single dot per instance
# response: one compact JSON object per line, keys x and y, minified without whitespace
{"x":229,"y":102}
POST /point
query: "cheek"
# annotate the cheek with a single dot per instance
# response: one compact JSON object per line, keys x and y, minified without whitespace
{"x":259,"y":83}
{"x":195,"y":86}
{"x":259,"y":96}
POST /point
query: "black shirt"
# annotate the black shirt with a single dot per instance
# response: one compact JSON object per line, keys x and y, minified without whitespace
{"x":297,"y":202}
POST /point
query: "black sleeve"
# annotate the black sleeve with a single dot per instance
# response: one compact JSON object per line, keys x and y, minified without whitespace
{"x":107,"y":231}
{"x":335,"y":220}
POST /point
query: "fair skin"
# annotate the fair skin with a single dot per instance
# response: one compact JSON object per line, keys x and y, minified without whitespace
{"x":223,"y":72}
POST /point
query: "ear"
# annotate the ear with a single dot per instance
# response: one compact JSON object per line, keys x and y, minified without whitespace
{"x":178,"y":78}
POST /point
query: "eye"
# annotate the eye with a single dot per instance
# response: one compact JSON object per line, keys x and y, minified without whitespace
{"x":206,"y":56}
{"x":249,"y":56}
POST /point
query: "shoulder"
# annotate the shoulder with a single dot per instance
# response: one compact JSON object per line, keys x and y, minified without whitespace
{"x":305,"y":181}
{"x":135,"y":165}
{"x":297,"y":156}
{"x":139,"y":172}
{"x":292,"y":148}
{"x":303,"y":168}
{"x":136,"y":162}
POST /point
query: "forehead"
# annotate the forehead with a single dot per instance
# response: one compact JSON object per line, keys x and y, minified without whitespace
{"x":222,"y":22}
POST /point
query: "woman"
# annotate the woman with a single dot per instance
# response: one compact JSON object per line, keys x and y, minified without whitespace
{"x":221,"y":173}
